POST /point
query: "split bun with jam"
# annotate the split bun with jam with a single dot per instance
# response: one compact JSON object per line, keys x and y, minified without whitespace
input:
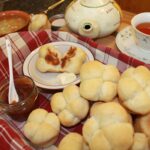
{"x":39,"y":22}
{"x":42,"y":128}
{"x":49,"y":59}
{"x":52,"y":60}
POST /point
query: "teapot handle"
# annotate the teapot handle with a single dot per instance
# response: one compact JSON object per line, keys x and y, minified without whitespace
{"x":116,"y":5}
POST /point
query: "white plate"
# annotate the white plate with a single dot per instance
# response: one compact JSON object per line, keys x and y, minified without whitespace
{"x":49,"y":80}
{"x":125,"y":41}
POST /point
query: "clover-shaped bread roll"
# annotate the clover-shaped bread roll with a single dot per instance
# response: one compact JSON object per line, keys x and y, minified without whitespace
{"x":42,"y":128}
{"x":134,"y":89}
{"x":98,"y":81}
{"x":140,"y":142}
{"x":73,"y":141}
{"x":49,"y":59}
{"x":108,"y":128}
{"x":70,"y":107}
{"x":142,"y":124}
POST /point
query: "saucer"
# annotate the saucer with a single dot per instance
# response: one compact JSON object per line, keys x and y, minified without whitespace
{"x":125,"y":41}
{"x":49,"y":80}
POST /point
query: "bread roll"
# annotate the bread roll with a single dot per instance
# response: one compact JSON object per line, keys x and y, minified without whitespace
{"x":39,"y":22}
{"x":52,"y":60}
{"x":72,"y":141}
{"x":134,"y":89}
{"x":42,"y":128}
{"x":49,"y":59}
{"x":98,"y":81}
{"x":109,"y":127}
{"x":140,"y":142}
{"x":73,"y":60}
{"x":142,"y":124}
{"x":70,"y":107}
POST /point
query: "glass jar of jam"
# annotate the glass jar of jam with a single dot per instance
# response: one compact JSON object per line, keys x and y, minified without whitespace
{"x":27,"y":92}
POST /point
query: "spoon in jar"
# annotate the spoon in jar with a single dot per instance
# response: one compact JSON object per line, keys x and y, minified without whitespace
{"x":12,"y":93}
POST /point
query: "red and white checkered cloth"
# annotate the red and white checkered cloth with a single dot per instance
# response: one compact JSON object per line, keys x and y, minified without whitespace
{"x":11,"y":136}
{"x":10,"y":139}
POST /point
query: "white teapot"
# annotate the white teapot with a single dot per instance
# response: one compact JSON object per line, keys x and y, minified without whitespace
{"x":93,"y":18}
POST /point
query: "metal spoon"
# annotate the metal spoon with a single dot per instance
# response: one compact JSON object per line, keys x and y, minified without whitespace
{"x":53,"y":6}
{"x":12,"y":94}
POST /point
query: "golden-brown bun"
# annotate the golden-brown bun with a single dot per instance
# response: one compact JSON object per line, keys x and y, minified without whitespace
{"x":72,"y":141}
{"x":49,"y":59}
{"x":70,"y":107}
{"x":109,"y":127}
{"x":140,"y":142}
{"x":142,"y":124}
{"x":134,"y":89}
{"x":98,"y":81}
{"x":39,"y":22}
{"x":73,"y":60}
{"x":42,"y":128}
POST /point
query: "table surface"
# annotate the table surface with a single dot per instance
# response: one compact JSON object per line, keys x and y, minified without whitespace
{"x":110,"y":40}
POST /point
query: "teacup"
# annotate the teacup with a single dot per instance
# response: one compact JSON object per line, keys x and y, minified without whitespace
{"x":142,"y":38}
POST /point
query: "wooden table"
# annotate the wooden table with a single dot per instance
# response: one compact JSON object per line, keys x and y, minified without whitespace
{"x":110,"y":40}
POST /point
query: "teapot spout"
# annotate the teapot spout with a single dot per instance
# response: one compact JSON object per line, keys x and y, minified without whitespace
{"x":89,"y":28}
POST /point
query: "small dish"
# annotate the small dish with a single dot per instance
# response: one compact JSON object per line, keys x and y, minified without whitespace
{"x":57,"y":21}
{"x":125,"y":41}
{"x":49,"y":80}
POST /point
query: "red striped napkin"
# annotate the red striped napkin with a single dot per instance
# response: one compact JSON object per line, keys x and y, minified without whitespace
{"x":25,"y":42}
{"x":10,"y":139}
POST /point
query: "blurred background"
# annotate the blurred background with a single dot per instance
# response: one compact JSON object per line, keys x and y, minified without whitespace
{"x":36,"y":6}
{"x":33,"y":6}
{"x":135,"y":6}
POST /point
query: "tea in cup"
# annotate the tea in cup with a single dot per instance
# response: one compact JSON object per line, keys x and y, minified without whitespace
{"x":141,"y":27}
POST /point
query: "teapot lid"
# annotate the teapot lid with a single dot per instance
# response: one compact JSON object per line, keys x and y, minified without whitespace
{"x":94,"y":3}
